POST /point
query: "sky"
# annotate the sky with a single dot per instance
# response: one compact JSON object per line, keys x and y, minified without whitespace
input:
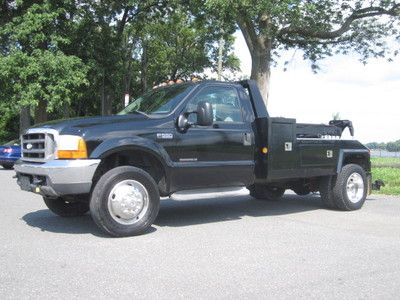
{"x":367,"y":95}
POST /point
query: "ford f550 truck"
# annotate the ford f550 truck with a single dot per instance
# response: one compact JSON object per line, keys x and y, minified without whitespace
{"x":187,"y":136}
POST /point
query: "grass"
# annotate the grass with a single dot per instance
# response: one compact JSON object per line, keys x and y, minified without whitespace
{"x":388,"y":170}
{"x":387,"y":162}
{"x":391,"y":178}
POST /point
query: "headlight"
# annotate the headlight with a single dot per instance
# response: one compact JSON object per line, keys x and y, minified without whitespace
{"x":71,"y":147}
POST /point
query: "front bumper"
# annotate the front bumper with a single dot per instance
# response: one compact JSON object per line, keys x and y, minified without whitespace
{"x":56,"y":177}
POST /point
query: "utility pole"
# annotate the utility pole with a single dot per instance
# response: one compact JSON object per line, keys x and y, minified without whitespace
{"x":220,"y":56}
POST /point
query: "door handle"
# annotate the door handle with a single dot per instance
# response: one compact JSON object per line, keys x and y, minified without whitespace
{"x":247,"y":139}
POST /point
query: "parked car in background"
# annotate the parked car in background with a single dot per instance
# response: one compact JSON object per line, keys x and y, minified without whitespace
{"x":9,"y":154}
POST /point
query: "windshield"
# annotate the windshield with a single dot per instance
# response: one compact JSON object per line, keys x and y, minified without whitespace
{"x":160,"y":101}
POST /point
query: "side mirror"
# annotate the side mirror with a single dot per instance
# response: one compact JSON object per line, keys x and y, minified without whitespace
{"x":205,"y":115}
{"x":183,"y":122}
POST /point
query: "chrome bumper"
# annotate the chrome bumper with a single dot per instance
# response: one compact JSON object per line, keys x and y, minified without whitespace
{"x":56,"y":177}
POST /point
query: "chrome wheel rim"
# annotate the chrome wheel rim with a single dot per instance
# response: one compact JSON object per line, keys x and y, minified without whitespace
{"x":355,"y":188}
{"x":128,"y":202}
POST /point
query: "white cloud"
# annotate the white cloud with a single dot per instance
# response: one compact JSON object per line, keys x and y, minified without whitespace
{"x":367,"y":95}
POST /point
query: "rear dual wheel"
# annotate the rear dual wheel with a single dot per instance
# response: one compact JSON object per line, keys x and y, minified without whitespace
{"x":262,"y":192}
{"x":346,"y":191}
{"x":301,"y":190}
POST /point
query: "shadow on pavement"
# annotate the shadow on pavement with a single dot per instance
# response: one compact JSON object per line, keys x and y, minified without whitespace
{"x":45,"y":220}
{"x":201,"y":211}
{"x":185,"y":213}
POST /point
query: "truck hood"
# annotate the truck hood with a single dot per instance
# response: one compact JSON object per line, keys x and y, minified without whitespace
{"x":81,"y":124}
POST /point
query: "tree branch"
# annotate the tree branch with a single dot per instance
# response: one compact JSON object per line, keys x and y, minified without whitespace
{"x":248,"y":31}
{"x":128,"y":16}
{"x":304,"y":42}
{"x":144,"y":9}
{"x":121,"y":24}
{"x":346,"y":26}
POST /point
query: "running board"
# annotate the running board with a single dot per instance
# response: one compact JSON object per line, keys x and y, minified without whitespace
{"x":210,"y":193}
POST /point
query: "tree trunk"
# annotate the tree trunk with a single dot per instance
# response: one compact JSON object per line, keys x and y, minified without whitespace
{"x":261,"y":70}
{"x":144,"y":66}
{"x":40,"y":112}
{"x":106,"y":99}
{"x":102,"y":96}
{"x":24,"y":119}
{"x":108,"y":105}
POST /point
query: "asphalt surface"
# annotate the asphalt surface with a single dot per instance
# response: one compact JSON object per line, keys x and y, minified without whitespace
{"x":231,"y":247}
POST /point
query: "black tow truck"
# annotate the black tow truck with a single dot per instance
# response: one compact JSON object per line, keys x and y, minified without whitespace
{"x":187,"y":136}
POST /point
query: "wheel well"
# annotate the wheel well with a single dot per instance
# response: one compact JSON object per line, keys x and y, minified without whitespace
{"x":136,"y":158}
{"x":361,"y":160}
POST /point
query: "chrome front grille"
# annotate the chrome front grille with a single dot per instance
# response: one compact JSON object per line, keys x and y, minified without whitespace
{"x":37,"y":145}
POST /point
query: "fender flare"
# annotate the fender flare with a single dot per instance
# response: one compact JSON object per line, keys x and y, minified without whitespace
{"x":344,"y":153}
{"x":115,"y":145}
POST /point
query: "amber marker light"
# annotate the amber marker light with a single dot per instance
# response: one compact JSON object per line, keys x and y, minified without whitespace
{"x":71,"y":147}
{"x":264,"y":150}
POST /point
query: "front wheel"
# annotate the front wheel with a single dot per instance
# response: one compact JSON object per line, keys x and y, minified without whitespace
{"x":66,"y":208}
{"x":262,"y":192}
{"x":125,"y":201}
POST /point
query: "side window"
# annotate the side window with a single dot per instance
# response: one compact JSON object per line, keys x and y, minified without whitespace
{"x":224,"y":101}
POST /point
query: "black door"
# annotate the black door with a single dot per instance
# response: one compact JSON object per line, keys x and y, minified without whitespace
{"x":218,"y":155}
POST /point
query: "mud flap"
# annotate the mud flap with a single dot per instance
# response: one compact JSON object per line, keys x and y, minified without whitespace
{"x":369,"y":182}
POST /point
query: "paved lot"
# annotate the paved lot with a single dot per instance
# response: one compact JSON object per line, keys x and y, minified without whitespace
{"x":228,"y":247}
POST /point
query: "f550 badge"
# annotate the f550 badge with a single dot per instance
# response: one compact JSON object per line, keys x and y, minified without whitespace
{"x":165,"y":136}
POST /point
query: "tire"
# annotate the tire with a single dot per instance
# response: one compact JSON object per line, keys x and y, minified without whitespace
{"x":143,"y":201}
{"x":301,"y":190}
{"x":351,"y":187}
{"x":334,"y":192}
{"x":65,"y":208}
{"x":261,"y":192}
{"x":8,"y":166}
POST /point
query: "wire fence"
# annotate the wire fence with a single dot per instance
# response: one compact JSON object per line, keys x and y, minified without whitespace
{"x":384,"y":153}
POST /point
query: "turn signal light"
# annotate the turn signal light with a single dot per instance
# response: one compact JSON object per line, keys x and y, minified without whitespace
{"x":264,"y":150}
{"x":80,"y":152}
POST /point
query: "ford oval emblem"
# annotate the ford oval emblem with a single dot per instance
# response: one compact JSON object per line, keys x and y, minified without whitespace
{"x":29,"y":146}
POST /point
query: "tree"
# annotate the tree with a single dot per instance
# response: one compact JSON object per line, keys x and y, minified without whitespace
{"x":45,"y":80}
{"x":372,"y":145}
{"x":179,"y":46}
{"x":78,"y":57}
{"x":393,"y":146}
{"x":319,"y":28}
{"x":34,"y":72}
